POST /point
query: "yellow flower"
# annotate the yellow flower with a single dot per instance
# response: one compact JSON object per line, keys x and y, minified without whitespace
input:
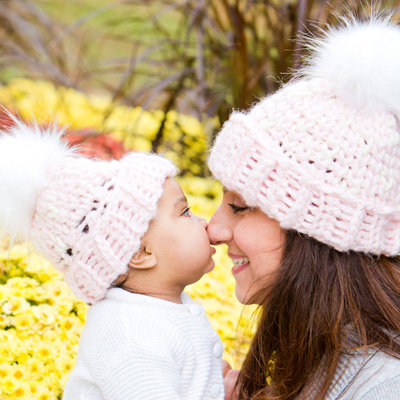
{"x":4,"y":321}
{"x":67,"y":324}
{"x":57,"y":289}
{"x":65,"y":363}
{"x":50,"y":386}
{"x":44,"y":352}
{"x":15,"y":306}
{"x":5,"y":371}
{"x":44,"y":313}
{"x":22,"y":357}
{"x":64,"y":306}
{"x":34,"y":388}
{"x":81,"y":310}
{"x":20,"y":283}
{"x":141,"y":144}
{"x":50,"y":335}
{"x":64,"y":366}
{"x":34,"y":366}
{"x":6,"y":352}
{"x":5,"y":336}
{"x":4,"y":294}
{"x":18,"y":372}
{"x":18,"y":253}
{"x":9,"y":385}
{"x":38,"y":295}
{"x":39,"y":392}
{"x":24,"y":321}
{"x":45,"y":395}
{"x":40,"y":268}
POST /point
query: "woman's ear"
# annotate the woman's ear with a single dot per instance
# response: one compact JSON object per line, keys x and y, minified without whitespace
{"x":143,"y":259}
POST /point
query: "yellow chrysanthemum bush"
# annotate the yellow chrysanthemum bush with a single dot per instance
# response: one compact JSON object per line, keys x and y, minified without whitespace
{"x":40,"y":319}
{"x":184,"y":140}
{"x":40,"y":325}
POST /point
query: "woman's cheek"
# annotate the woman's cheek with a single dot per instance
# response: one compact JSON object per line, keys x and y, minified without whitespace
{"x":244,"y":237}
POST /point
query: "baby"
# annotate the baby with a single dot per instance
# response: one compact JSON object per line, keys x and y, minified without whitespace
{"x":127,"y":243}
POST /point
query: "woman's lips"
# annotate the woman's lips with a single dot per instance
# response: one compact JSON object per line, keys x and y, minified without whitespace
{"x":239,"y":268}
{"x":240,"y":263}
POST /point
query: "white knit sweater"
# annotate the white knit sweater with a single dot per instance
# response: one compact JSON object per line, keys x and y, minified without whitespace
{"x":143,"y":348}
{"x":375,"y":376}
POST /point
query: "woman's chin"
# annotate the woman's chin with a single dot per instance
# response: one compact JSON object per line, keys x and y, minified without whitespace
{"x":246,"y":299}
{"x":242,"y":298}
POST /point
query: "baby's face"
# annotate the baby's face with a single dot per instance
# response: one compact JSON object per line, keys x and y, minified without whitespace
{"x":179,"y":240}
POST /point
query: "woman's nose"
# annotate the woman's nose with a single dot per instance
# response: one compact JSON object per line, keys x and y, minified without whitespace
{"x":218,"y":231}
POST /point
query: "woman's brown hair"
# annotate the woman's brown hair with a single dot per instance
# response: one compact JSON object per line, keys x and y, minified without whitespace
{"x":318,"y":296}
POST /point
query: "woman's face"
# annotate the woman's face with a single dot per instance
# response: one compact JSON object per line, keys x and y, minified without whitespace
{"x":255,"y":243}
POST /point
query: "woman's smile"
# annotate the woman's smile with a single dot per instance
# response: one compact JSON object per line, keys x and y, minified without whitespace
{"x":254,"y":243}
{"x":240,"y":263}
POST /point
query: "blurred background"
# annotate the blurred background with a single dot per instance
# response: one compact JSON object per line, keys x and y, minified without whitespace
{"x":198,"y":58}
{"x":148,"y":75}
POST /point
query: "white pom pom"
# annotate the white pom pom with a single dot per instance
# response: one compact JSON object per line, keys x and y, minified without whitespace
{"x":26,"y":154}
{"x":362,"y":59}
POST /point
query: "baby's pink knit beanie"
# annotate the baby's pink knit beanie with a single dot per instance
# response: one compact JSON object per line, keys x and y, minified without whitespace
{"x":322,"y":154}
{"x":86,"y":216}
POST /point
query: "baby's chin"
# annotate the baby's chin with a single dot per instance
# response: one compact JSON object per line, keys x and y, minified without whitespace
{"x":211,"y":266}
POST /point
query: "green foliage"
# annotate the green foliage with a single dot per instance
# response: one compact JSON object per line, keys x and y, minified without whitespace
{"x":200,"y":57}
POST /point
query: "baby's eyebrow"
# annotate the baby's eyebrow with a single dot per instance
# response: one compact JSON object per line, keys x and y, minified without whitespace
{"x":182,"y":199}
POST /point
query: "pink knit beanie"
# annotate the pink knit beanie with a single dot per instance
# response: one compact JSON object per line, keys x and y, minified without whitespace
{"x":322,"y":154}
{"x":86,"y":216}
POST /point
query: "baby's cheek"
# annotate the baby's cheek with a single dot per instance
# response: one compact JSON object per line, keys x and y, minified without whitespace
{"x":197,"y":242}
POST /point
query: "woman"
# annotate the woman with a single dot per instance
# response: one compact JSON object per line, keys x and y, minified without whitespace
{"x":311,"y":218}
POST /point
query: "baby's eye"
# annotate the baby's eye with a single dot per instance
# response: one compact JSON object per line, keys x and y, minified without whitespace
{"x":186,"y":212}
{"x":236,"y":208}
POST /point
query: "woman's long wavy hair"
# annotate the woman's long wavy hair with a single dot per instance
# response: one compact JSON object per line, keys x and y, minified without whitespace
{"x":317,"y":294}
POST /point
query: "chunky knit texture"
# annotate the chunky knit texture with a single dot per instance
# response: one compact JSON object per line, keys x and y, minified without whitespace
{"x":322,"y":155}
{"x":86,"y":216}
{"x":144,"y":348}
{"x":90,"y":218}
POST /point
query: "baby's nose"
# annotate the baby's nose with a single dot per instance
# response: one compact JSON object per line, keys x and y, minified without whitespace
{"x":203,"y":222}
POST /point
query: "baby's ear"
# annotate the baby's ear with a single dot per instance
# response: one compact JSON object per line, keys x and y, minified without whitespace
{"x":143,"y":259}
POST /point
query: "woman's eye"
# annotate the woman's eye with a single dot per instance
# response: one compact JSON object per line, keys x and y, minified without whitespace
{"x":186,"y":212}
{"x":236,"y":208}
